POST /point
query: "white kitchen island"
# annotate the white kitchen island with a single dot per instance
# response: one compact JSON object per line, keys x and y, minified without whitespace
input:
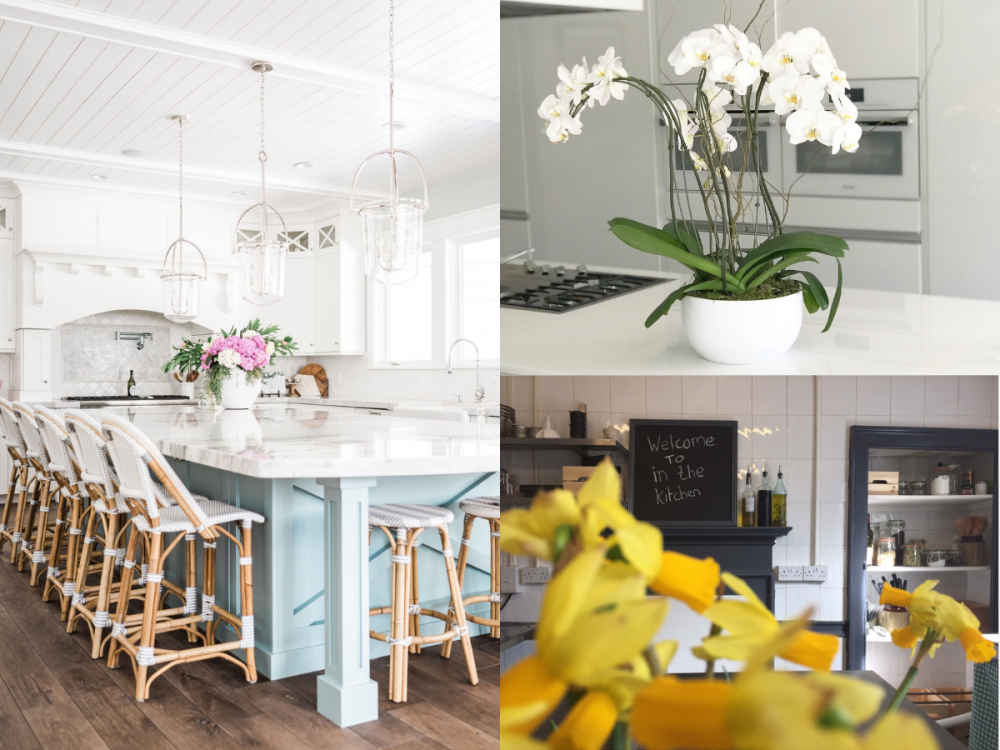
{"x":874,"y":333}
{"x":311,"y":471}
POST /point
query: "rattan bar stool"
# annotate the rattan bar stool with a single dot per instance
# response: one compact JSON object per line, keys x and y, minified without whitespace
{"x":137,"y":460}
{"x":10,"y":434}
{"x":92,"y":604}
{"x":487,"y":508}
{"x":33,"y":553}
{"x":403,"y":524}
{"x":65,"y":470}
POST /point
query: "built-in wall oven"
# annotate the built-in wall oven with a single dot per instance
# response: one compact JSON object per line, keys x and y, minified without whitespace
{"x":887,"y":162}
{"x":768,"y":140}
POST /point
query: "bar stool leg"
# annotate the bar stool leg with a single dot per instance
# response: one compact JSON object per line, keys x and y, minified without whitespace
{"x":28,"y":530}
{"x":495,"y":577}
{"x":246,"y":603}
{"x":208,"y":592}
{"x":38,"y":553}
{"x":101,"y":618}
{"x":414,"y":592}
{"x":397,"y":637}
{"x":146,"y":657}
{"x":191,"y":583}
{"x":55,"y":551}
{"x":126,"y":586}
{"x":12,"y":484}
{"x":22,"y":503}
{"x":463,"y":555}
{"x":461,"y":627}
{"x":72,"y":588}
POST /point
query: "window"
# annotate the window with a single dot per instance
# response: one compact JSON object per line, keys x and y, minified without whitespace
{"x":455,"y":295}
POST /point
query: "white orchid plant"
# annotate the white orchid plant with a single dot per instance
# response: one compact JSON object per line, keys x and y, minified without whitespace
{"x":792,"y":79}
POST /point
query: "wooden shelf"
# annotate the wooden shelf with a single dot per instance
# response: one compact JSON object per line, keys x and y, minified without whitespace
{"x":583,"y":446}
{"x":940,"y":500}
{"x":927,"y":569}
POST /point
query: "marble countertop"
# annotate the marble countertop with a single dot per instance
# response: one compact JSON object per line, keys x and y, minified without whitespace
{"x":293,"y":440}
{"x":490,"y":408}
{"x":875,"y":333}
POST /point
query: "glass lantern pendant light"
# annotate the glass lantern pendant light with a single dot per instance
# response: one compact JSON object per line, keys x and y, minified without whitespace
{"x":262,"y":259}
{"x":391,"y":230}
{"x":181,"y":287}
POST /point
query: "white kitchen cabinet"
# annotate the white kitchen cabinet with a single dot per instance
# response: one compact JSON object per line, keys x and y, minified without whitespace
{"x":7,"y":294}
{"x":31,"y":373}
{"x":339,"y":290}
{"x":294,"y":313}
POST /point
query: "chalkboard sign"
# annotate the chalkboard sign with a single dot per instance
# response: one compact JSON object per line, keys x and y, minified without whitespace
{"x":682,"y":472}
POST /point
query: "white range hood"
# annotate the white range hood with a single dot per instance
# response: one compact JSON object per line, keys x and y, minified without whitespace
{"x":521,"y":8}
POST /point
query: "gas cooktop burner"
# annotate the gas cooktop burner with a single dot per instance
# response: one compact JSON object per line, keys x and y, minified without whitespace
{"x":564,"y":291}
{"x":126,"y":398}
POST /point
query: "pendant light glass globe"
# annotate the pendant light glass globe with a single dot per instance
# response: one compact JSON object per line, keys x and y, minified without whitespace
{"x":181,"y":286}
{"x":262,"y":259}
{"x":392,"y":230}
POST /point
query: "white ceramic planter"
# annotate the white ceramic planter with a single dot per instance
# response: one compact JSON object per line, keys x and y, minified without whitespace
{"x":742,"y":333}
{"x":237,"y":393}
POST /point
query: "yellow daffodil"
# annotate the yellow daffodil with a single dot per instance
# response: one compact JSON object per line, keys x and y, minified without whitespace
{"x":749,"y":624}
{"x":672,"y":713}
{"x":931,"y":610}
{"x":588,"y":724}
{"x":595,"y":618}
{"x":533,"y":531}
{"x":695,"y":582}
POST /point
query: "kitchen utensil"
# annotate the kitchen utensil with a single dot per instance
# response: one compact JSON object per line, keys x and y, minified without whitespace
{"x":610,"y":433}
{"x":520,"y":431}
{"x":507,"y":419}
{"x":189,"y":378}
{"x":547,"y":431}
{"x":878,"y":587}
{"x":893,"y":618}
{"x":578,"y":423}
{"x":319,"y":374}
{"x":306,"y":385}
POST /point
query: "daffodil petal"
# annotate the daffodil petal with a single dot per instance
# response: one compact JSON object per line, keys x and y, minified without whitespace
{"x":665,"y":651}
{"x":858,"y":700}
{"x":615,"y":582}
{"x":901,"y":730}
{"x":894,"y":596}
{"x":528,"y":694}
{"x":688,"y":579}
{"x":602,"y":640}
{"x":813,"y":650}
{"x":740,"y":618}
{"x":588,"y":724}
{"x":603,"y":484}
{"x":736,"y":647}
{"x":642,"y":545}
{"x":672,"y":713}
{"x":566,"y":594}
{"x":518,"y":536}
{"x":905,"y":637}
{"x":742,"y":588}
{"x":520,"y":742}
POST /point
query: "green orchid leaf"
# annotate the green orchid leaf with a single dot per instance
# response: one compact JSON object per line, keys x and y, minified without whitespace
{"x":824,"y":244}
{"x":836,"y":297}
{"x":788,"y":260}
{"x":680,"y":293}
{"x":817,"y":289}
{"x":807,"y":296}
{"x":685,"y":233}
{"x":658,"y":242}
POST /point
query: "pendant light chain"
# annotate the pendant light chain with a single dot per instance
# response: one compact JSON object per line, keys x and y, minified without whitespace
{"x":392,"y":71}
{"x":180,"y":161}
{"x":262,"y":156}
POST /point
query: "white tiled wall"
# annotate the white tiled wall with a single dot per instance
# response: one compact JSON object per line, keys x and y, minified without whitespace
{"x":801,"y":423}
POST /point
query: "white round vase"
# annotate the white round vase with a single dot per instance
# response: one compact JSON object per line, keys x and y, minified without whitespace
{"x":742,"y":333}
{"x":237,"y":393}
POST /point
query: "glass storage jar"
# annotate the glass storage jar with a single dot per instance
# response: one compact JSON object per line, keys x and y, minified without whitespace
{"x":896,"y":528}
{"x":912,"y":556}
{"x":918,"y":487}
{"x":904,"y":488}
{"x":954,"y":558}
{"x":885,"y":552}
{"x":936,"y":558}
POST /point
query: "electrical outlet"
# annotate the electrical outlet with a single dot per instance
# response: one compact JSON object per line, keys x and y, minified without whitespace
{"x":509,"y":581}
{"x":789,"y":572}
{"x":814,"y":573}
{"x":535,"y":575}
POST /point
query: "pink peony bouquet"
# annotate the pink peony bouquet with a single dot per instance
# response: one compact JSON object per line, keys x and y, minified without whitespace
{"x":244,"y":352}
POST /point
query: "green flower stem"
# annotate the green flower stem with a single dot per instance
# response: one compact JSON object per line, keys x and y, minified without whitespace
{"x":621,"y":737}
{"x":710,"y":664}
{"x":925,"y":647}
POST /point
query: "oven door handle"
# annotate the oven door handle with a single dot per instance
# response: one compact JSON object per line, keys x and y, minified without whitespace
{"x":887,"y":122}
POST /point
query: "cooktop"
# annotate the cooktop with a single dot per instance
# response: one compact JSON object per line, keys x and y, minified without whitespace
{"x":557,"y":290}
{"x":126,"y":398}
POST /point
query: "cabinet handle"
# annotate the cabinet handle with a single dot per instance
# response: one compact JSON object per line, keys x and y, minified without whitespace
{"x":45,"y":381}
{"x":375,"y":413}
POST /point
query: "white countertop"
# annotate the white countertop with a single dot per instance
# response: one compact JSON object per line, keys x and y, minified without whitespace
{"x":285,"y":440}
{"x":490,"y":408}
{"x":874,"y":333}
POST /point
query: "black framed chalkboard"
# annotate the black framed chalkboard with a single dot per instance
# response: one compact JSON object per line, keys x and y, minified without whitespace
{"x":682,"y":472}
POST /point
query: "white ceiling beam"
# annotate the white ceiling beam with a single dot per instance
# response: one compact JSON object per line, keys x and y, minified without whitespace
{"x":191,"y":172}
{"x":72,"y":20}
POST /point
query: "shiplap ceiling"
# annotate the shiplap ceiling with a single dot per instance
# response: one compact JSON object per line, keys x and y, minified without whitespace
{"x":83,"y":80}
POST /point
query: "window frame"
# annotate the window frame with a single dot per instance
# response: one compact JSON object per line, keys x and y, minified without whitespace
{"x":443,"y":238}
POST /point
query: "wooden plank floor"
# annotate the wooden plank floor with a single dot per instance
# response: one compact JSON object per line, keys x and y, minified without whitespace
{"x":52,"y":695}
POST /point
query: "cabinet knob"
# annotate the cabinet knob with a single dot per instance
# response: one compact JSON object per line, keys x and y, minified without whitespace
{"x":45,"y":381}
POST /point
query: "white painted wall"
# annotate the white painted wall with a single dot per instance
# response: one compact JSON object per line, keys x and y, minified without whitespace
{"x":781,"y":421}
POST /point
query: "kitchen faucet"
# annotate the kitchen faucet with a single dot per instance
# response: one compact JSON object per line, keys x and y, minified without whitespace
{"x":480,"y":391}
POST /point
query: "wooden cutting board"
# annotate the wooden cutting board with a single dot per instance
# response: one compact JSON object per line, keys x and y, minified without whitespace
{"x":321,"y":380}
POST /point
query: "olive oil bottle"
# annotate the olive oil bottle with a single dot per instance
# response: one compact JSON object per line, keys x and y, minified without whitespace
{"x":764,"y":500}
{"x":779,"y":502}
{"x":747,"y":515}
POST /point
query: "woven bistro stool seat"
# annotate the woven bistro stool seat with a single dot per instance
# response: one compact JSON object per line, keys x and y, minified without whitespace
{"x":403,"y":524}
{"x":137,"y":460}
{"x":17,"y":486}
{"x":487,"y":508}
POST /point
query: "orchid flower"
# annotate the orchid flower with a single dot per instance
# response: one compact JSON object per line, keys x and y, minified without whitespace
{"x":846,"y":109}
{"x":792,"y":91}
{"x":561,"y":124}
{"x":790,"y":52}
{"x":604,"y":75}
{"x":737,"y":73}
{"x":572,"y":83}
{"x":718,"y":98}
{"x":689,"y":126}
{"x":847,"y":138}
{"x":695,"y":50}
{"x":812,"y":124}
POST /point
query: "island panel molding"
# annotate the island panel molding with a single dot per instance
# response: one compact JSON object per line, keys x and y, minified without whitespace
{"x":682,"y":472}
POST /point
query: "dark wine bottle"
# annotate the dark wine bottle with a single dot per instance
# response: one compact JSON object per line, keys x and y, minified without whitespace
{"x":764,"y":500}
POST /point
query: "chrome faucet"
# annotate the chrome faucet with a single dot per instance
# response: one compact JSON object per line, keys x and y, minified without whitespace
{"x":480,"y":391}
